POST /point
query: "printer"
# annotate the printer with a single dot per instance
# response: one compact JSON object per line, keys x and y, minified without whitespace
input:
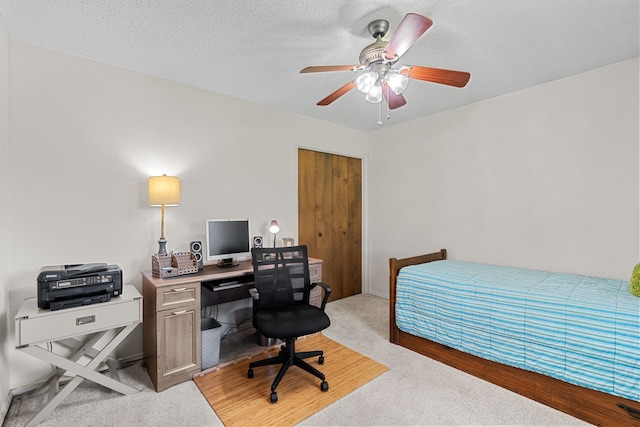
{"x":75,"y":285}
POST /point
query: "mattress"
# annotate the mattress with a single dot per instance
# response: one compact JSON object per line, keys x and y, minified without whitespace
{"x":579,"y":329}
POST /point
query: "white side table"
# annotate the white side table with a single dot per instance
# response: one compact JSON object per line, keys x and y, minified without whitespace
{"x":109,"y":321}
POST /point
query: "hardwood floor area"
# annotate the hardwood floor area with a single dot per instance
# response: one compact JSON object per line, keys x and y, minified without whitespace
{"x":239,"y":400}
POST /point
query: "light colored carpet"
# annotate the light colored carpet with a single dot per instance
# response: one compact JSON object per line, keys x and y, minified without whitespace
{"x":94,"y":405}
{"x":416,"y":391}
{"x":240,"y":401}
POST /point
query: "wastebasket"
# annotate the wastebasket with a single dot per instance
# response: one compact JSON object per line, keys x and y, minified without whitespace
{"x":209,"y":343}
{"x":266,"y":342}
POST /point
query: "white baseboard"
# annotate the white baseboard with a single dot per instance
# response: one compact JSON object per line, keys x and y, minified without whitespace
{"x":244,"y":326}
{"x":18,"y":391}
{"x":4,"y":407}
{"x":129,"y":360}
{"x":376,"y":294}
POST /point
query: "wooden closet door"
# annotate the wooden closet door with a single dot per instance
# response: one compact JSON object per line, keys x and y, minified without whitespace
{"x":330,"y":217}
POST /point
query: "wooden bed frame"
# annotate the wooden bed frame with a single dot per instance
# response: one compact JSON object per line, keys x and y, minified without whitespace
{"x":588,"y":405}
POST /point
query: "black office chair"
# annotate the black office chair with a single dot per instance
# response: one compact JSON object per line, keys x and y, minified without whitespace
{"x":281,"y":308}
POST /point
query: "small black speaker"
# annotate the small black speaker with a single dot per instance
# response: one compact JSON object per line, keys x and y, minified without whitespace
{"x":257,"y":241}
{"x":196,"y":249}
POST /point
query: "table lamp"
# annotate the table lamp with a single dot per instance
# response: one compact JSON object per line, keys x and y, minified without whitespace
{"x":164,"y":191}
{"x":274,"y":227}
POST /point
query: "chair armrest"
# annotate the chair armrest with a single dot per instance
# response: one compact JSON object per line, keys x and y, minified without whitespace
{"x":327,"y":292}
{"x":254,"y":293}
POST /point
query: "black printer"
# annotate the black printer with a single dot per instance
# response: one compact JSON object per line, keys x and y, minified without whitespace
{"x":75,"y":285}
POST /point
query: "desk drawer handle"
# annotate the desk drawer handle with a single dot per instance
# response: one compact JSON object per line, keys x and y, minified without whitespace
{"x":175,"y":313}
{"x":178,"y":289}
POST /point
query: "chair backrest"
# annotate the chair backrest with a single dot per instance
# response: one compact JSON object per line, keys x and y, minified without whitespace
{"x":281,"y":276}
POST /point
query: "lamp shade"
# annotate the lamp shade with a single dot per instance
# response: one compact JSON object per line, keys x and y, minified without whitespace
{"x":365,"y":81}
{"x":274,"y":227}
{"x":397,"y":82}
{"x":375,"y":95}
{"x":164,"y":190}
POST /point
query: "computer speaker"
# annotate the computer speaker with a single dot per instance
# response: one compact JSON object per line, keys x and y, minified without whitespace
{"x":196,"y":249}
{"x":257,"y":241}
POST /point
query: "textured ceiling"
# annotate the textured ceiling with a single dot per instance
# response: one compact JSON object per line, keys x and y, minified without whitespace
{"x":254,"y":49}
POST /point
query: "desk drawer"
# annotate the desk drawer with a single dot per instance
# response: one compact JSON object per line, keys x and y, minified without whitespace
{"x":175,"y":296}
{"x":315,"y":275}
{"x":315,"y":272}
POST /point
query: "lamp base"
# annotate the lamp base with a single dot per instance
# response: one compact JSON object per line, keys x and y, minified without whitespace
{"x":162,"y":246}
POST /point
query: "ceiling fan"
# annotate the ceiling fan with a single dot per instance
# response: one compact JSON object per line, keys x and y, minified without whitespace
{"x":383,"y":76}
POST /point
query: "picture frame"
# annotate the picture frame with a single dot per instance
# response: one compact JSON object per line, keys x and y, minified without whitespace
{"x":288,"y":241}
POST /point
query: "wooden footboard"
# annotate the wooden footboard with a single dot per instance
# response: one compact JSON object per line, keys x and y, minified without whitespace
{"x":592,"y":406}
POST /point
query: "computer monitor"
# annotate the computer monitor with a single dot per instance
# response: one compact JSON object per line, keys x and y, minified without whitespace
{"x":227,"y":240}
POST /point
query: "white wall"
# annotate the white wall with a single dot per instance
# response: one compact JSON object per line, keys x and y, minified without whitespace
{"x":544,"y":178}
{"x":85,"y":137}
{"x":4,"y":282}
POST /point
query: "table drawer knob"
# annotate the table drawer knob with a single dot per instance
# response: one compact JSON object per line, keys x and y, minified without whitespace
{"x":175,"y":313}
{"x":178,"y":289}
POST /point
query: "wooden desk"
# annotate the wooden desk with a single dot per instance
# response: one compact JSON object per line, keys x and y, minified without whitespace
{"x":171,"y":327}
{"x":79,"y":329}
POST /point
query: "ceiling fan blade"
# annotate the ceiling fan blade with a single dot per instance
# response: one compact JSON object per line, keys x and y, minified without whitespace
{"x":337,"y":94}
{"x":438,"y":75}
{"x":323,"y":68}
{"x":410,"y":29}
{"x":394,"y":101}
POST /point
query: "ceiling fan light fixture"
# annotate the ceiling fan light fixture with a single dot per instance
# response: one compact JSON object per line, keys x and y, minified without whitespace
{"x":381,"y":72}
{"x":365,"y":82}
{"x":397,"y":82}
{"x":374,"y":95}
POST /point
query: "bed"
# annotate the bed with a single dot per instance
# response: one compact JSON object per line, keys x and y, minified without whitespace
{"x":546,"y":336}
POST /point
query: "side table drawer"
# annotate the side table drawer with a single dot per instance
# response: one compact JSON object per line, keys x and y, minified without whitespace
{"x":44,"y":325}
{"x":175,"y":296}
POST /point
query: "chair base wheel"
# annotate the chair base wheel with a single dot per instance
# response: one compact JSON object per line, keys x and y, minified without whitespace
{"x":250,"y":373}
{"x":273,"y":397}
{"x":321,"y":360}
{"x":324,"y":386}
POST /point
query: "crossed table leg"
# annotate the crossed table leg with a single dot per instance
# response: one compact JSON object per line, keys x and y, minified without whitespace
{"x":89,"y":371}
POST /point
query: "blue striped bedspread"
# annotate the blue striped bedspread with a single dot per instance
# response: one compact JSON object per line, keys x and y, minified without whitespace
{"x":579,"y":329}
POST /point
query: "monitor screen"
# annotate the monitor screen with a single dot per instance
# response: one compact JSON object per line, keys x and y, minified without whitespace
{"x":227,"y":239}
